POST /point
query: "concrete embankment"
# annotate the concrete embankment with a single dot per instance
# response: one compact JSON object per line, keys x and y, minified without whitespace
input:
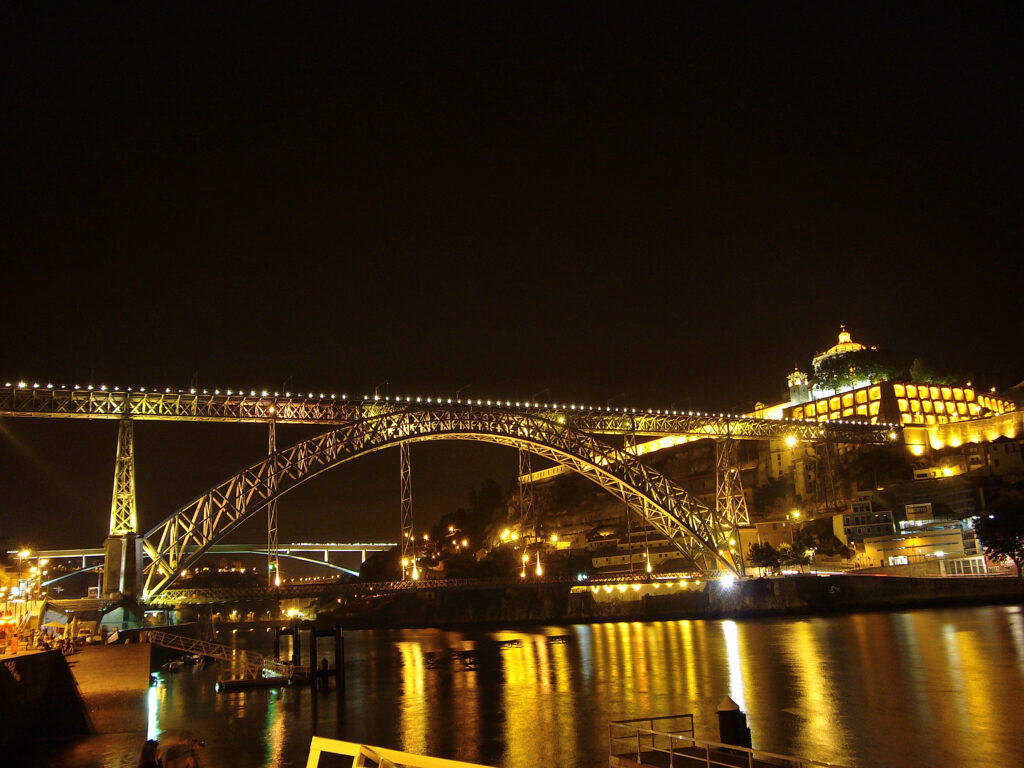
{"x":113,"y":681}
{"x":47,"y":697}
{"x":39,"y":702}
{"x":554,"y":603}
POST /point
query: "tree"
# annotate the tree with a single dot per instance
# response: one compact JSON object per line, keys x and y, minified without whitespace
{"x":764,"y":555}
{"x":797,"y":555}
{"x":382,"y":566}
{"x":1001,"y":532}
{"x":851,"y":368}
{"x":922,"y":371}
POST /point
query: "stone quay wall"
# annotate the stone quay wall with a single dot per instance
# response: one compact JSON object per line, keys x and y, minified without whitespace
{"x":789,"y":595}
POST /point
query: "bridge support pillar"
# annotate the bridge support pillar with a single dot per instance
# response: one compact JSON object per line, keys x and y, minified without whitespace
{"x":122,"y":566}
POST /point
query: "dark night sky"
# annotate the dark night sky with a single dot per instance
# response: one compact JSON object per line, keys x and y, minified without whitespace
{"x":648,"y":206}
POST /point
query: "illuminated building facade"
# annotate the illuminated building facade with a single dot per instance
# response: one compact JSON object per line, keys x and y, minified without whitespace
{"x":902,"y":402}
{"x":886,"y":402}
{"x":862,"y":521}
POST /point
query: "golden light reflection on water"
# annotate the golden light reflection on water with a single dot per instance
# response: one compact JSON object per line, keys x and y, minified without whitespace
{"x":937,"y":687}
{"x":732,"y":646}
{"x":971,"y":684}
{"x":805,"y":654}
{"x":541,"y":717}
{"x":1015,"y":623}
{"x":413,"y":721}
{"x":465,"y":704}
{"x":685,"y":629}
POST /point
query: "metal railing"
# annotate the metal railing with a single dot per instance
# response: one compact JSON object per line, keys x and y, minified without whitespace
{"x":673,"y":738}
{"x":255,"y":664}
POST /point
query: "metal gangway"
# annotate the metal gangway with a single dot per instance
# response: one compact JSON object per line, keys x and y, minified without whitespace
{"x":256,"y":665}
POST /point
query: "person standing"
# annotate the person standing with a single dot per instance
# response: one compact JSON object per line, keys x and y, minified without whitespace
{"x":149,"y":757}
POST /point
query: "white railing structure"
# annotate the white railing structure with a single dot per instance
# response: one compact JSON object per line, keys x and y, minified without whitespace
{"x":365,"y":756}
{"x":669,"y":741}
{"x":255,"y":664}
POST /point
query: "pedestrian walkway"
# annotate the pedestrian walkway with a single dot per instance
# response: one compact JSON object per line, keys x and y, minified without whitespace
{"x":256,"y":665}
{"x":113,"y":681}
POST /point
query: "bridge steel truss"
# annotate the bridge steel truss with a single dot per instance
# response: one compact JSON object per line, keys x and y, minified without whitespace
{"x":699,"y":533}
{"x":331,"y":411}
{"x":564,"y":434}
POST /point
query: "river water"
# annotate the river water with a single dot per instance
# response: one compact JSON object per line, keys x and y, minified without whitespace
{"x":923,"y":688}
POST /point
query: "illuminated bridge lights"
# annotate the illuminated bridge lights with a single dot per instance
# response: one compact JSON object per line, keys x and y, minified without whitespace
{"x":252,"y":405}
{"x":377,"y":398}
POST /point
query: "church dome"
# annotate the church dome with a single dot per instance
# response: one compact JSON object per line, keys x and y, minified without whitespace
{"x":846,"y":344}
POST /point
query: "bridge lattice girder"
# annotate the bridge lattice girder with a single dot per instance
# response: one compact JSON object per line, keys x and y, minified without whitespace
{"x":696,"y":531}
{"x":330,"y":411}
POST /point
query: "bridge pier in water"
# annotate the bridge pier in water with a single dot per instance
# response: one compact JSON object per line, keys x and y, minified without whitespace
{"x":319,"y":672}
{"x":122,"y":565}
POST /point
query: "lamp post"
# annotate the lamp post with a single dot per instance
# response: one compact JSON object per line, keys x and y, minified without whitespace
{"x":23,"y":555}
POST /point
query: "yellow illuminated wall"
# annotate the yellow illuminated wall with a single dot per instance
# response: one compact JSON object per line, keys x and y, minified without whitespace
{"x":915,"y":403}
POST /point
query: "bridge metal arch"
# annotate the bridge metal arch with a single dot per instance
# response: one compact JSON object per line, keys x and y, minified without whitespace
{"x":694,"y":529}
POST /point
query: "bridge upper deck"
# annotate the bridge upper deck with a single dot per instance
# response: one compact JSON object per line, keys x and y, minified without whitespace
{"x":332,"y":410}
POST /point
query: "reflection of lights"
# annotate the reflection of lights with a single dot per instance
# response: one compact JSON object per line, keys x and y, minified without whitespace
{"x":732,"y":649}
{"x":151,"y":710}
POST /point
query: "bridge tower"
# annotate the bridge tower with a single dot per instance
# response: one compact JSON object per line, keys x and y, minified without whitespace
{"x":408,"y":547}
{"x":527,"y":513}
{"x":122,"y":555}
{"x":730,"y":503}
{"x":273,"y":561}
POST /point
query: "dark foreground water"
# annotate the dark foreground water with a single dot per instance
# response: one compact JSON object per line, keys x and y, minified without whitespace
{"x":924,"y":688}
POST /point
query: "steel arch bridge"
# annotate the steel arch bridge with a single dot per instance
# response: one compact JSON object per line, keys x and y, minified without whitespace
{"x":695,"y":530}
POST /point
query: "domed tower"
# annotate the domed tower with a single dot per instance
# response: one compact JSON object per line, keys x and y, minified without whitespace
{"x":846,"y":344}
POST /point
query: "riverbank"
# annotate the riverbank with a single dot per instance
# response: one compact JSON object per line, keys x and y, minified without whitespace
{"x":778,"y":596}
{"x":39,"y":702}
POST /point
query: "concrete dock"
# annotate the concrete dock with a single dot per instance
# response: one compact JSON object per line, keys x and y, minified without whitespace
{"x":113,"y":681}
